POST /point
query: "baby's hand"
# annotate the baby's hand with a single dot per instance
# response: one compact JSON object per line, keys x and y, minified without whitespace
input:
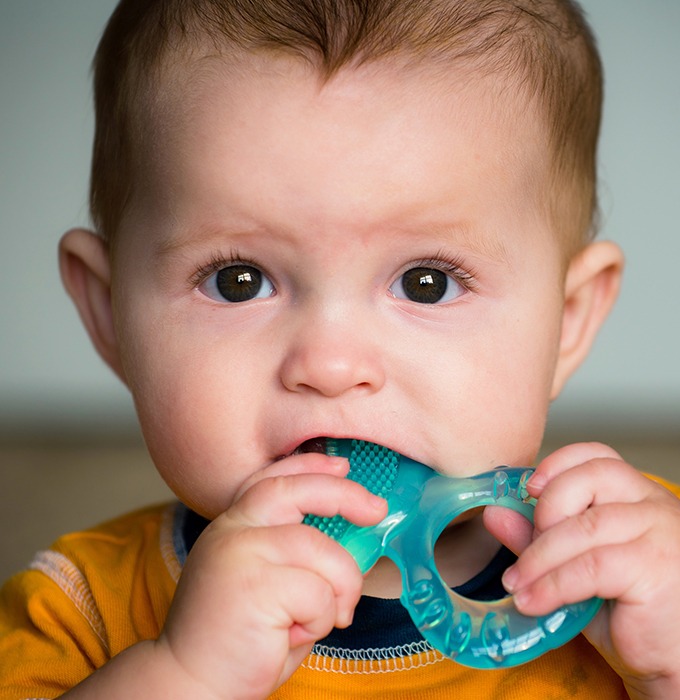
{"x":259,"y":588}
{"x":603,"y":529}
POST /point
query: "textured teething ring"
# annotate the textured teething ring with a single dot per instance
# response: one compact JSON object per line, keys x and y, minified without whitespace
{"x":491,"y":634}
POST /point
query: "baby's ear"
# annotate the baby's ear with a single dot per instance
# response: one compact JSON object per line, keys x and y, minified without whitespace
{"x":591,"y":288}
{"x":86,"y":275}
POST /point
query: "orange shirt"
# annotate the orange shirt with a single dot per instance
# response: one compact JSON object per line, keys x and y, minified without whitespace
{"x":95,"y":593}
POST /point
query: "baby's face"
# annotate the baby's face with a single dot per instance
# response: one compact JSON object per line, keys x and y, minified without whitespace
{"x":368,"y":258}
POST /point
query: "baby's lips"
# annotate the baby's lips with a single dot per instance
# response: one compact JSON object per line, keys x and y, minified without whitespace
{"x":319,"y":445}
{"x":315,"y":445}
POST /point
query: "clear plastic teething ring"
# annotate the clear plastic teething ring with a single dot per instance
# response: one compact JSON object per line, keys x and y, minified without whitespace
{"x":421,"y":503}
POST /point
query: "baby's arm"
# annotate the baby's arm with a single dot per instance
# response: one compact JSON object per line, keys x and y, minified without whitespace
{"x":604,"y":529}
{"x":258,"y":589}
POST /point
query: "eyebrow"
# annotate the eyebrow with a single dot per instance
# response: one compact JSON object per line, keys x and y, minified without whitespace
{"x":202,"y":235}
{"x":489,"y":246}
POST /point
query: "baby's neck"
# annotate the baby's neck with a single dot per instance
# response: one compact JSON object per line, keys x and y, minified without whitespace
{"x":461,"y":552}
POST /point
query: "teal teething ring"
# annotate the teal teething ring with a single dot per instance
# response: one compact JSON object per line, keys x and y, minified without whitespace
{"x":421,"y":503}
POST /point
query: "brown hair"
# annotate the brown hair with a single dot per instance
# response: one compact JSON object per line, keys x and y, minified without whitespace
{"x":544,"y":46}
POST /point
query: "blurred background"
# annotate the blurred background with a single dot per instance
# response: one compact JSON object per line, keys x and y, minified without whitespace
{"x":70,"y":451}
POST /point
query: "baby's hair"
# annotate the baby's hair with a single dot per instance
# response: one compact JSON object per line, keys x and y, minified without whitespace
{"x":543,"y":48}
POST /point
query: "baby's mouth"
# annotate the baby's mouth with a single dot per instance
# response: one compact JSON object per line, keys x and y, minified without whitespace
{"x":315,"y":444}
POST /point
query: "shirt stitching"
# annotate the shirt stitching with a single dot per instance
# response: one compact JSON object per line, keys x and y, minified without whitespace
{"x":367,"y":661}
{"x":66,"y":575}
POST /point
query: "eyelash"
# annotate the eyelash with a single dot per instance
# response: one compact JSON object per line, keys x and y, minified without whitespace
{"x":216,"y":263}
{"x":449,"y":265}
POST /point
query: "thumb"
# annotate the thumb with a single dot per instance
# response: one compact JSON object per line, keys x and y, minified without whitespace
{"x":508,"y":527}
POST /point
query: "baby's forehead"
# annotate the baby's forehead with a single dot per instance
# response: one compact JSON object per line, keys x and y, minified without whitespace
{"x":150,"y":65}
{"x":181,"y":81}
{"x":270,"y":81}
{"x":399,"y":141}
{"x":188,"y":86}
{"x":243,"y":93}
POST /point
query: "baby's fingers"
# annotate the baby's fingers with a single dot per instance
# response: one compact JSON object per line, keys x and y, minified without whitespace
{"x":567,"y":458}
{"x":287,"y":499}
{"x":586,"y":486}
{"x":508,"y":527}
{"x":308,"y":607}
{"x":605,"y":572}
{"x":308,"y":463}
{"x":280,"y":588}
{"x":306,"y":549}
{"x":586,"y":555}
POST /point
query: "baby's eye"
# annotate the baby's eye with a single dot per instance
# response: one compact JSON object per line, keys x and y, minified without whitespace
{"x":236,"y":283}
{"x":426,"y":285}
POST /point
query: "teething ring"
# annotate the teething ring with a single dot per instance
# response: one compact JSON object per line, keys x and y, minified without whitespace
{"x":421,"y":504}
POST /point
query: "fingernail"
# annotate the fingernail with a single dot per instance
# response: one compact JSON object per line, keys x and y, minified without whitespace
{"x":377,"y":502}
{"x":536,"y":481}
{"x":345,"y":619}
{"x":340,"y":464}
{"x":521,"y":598}
{"x":510,"y":578}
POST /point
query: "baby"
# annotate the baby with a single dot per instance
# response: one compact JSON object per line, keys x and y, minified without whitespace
{"x":344,"y":218}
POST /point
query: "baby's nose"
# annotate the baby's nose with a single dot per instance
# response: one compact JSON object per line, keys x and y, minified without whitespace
{"x":333,"y":364}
